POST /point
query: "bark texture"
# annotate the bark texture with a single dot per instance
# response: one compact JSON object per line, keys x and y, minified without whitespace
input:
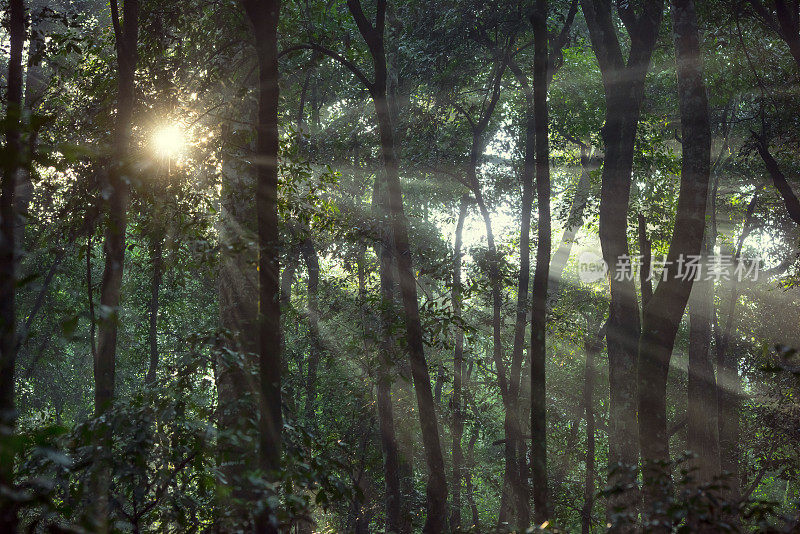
{"x":623,"y":85}
{"x":662,"y":315}
{"x":11,"y":163}
{"x":263,"y":16}
{"x":540,"y":278}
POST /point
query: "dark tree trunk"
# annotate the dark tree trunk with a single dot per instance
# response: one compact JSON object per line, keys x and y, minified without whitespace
{"x":12,"y":161}
{"x":436,"y":517}
{"x":458,"y":370}
{"x":157,"y":265}
{"x":437,"y":482}
{"x":509,"y":499}
{"x":126,"y":38}
{"x":542,"y":272}
{"x":126,"y":35}
{"x":779,"y":180}
{"x":662,"y":316}
{"x":517,"y":447}
{"x":623,"y":84}
{"x":729,"y":383}
{"x":513,"y":502}
{"x":264,"y":16}
{"x":389,"y":446}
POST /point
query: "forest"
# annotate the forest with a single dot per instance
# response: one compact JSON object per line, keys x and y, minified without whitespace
{"x":399,"y":266}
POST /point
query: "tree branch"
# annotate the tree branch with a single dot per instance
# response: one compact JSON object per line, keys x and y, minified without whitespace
{"x":335,"y":56}
{"x":778,"y":179}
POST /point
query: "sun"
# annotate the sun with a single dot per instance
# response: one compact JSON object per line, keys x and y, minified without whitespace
{"x":168,"y":141}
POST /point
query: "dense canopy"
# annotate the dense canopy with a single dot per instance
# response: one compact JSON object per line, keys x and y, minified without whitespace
{"x":401,"y":266}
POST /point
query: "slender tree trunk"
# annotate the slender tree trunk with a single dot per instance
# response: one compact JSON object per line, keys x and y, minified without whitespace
{"x":542,"y":272}
{"x":509,"y":501}
{"x":126,"y":38}
{"x":513,"y":500}
{"x":264,"y":16}
{"x":662,"y":316}
{"x":779,"y":180}
{"x":12,"y":161}
{"x":126,"y":33}
{"x":234,"y":369}
{"x":517,"y":446}
{"x":157,"y":261}
{"x":389,"y":446}
{"x":702,"y":402}
{"x":437,"y":482}
{"x":458,"y":370}
{"x":729,"y":383}
{"x":436,"y":516}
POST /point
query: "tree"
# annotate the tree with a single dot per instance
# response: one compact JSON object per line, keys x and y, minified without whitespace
{"x":263,"y":16}
{"x":11,"y":163}
{"x":126,"y":32}
{"x":662,"y":314}
{"x":623,"y":84}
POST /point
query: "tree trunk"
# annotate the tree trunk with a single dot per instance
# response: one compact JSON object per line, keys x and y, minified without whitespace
{"x":436,"y":517}
{"x":542,"y":272}
{"x":389,"y":446}
{"x":35,"y":86}
{"x":437,"y":483}
{"x":126,"y":37}
{"x":458,"y":370}
{"x":779,"y":180}
{"x":12,"y":161}
{"x":662,"y":316}
{"x":126,"y":41}
{"x":513,"y":500}
{"x":729,"y":383}
{"x":623,"y":84}
{"x":264,"y":16}
{"x":509,"y":501}
{"x":702,"y":402}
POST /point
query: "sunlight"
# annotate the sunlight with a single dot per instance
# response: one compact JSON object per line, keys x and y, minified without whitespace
{"x":168,"y":141}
